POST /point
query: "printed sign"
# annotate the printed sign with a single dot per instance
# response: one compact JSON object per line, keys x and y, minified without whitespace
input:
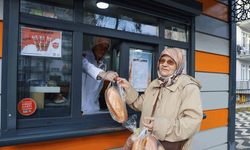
{"x":139,"y":69}
{"x":36,"y":42}
{"x":27,"y":106}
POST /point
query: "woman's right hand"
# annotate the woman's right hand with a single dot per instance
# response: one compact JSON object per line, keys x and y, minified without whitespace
{"x":123,"y":83}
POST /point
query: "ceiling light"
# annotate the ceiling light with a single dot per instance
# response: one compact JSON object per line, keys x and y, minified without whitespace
{"x":102,"y":5}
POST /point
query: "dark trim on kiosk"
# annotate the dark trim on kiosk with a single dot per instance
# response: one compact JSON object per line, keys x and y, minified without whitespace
{"x":4,"y":67}
{"x":78,"y":11}
{"x":232,"y":79}
{"x":77,"y":49}
{"x":196,"y":8}
{"x":191,"y":56}
{"x":76,"y":77}
{"x":19,"y":131}
{"x":11,"y":63}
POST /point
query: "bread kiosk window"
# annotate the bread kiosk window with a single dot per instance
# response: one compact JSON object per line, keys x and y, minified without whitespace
{"x":44,"y":71}
{"x":62,"y":10}
{"x":176,"y":31}
{"x":99,"y":55}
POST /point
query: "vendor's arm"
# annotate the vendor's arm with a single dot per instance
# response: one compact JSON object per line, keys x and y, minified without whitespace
{"x":132,"y":97}
{"x":91,"y":69}
{"x":97,"y":73}
{"x":189,"y":119}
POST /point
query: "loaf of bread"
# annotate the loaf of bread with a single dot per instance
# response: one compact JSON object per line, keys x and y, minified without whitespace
{"x":129,"y":143}
{"x":136,"y":145}
{"x":160,"y":147}
{"x":116,"y":105}
{"x":149,"y":143}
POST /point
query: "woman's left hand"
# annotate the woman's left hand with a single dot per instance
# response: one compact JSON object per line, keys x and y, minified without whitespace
{"x":149,"y":125}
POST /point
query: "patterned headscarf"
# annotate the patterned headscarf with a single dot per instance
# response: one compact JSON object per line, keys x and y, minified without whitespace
{"x":178,"y":58}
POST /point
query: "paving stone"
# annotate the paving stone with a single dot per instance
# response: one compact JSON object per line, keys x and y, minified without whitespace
{"x":242,"y":130}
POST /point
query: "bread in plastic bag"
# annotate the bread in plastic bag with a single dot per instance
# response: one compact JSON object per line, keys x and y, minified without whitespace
{"x":141,"y":139}
{"x":114,"y":97}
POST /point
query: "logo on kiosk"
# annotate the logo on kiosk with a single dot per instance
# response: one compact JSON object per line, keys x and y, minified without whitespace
{"x":55,"y":45}
{"x":26,"y":106}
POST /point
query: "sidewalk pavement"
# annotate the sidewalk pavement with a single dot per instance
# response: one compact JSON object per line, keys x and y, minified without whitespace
{"x":242,"y":105}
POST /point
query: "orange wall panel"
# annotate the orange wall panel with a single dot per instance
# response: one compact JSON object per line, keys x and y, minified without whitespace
{"x":208,"y":62}
{"x":96,"y":142}
{"x":215,"y":118}
{"x":215,"y":9}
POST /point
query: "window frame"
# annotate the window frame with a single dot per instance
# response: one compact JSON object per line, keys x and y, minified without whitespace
{"x":76,"y":124}
{"x":244,"y":39}
{"x":248,"y":72}
{"x":243,"y":72}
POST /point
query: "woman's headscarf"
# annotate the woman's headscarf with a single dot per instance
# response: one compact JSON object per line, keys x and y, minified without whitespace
{"x":178,"y":58}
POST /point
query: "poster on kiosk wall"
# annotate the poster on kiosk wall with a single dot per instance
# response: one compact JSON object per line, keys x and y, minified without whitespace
{"x":45,"y":43}
{"x":139,"y":69}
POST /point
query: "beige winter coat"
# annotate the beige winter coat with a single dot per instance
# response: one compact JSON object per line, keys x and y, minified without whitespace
{"x":178,"y":112}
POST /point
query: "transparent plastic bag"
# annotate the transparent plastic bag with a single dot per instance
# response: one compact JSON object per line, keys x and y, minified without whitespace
{"x":130,"y":124}
{"x":141,"y":139}
{"x":114,"y":97}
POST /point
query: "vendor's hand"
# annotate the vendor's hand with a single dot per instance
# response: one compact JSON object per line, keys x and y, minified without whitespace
{"x":123,"y":83}
{"x":149,"y":125}
{"x":109,"y":75}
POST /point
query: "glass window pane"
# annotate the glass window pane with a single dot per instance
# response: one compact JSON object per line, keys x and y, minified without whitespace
{"x":99,"y":54}
{"x":248,"y":73}
{"x":52,"y":8}
{"x":116,"y":17}
{"x":99,"y":20}
{"x":176,"y":31}
{"x":244,"y":40}
{"x":44,"y":70}
{"x":184,"y":52}
{"x":128,"y":24}
{"x":243,"y":72}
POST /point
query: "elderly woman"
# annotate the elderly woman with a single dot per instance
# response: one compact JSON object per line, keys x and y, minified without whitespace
{"x":171,"y":105}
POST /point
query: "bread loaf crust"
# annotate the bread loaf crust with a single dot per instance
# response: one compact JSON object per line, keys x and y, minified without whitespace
{"x":129,"y":143}
{"x":136,"y":144}
{"x":149,"y":142}
{"x":160,"y":147}
{"x":115,"y":105}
